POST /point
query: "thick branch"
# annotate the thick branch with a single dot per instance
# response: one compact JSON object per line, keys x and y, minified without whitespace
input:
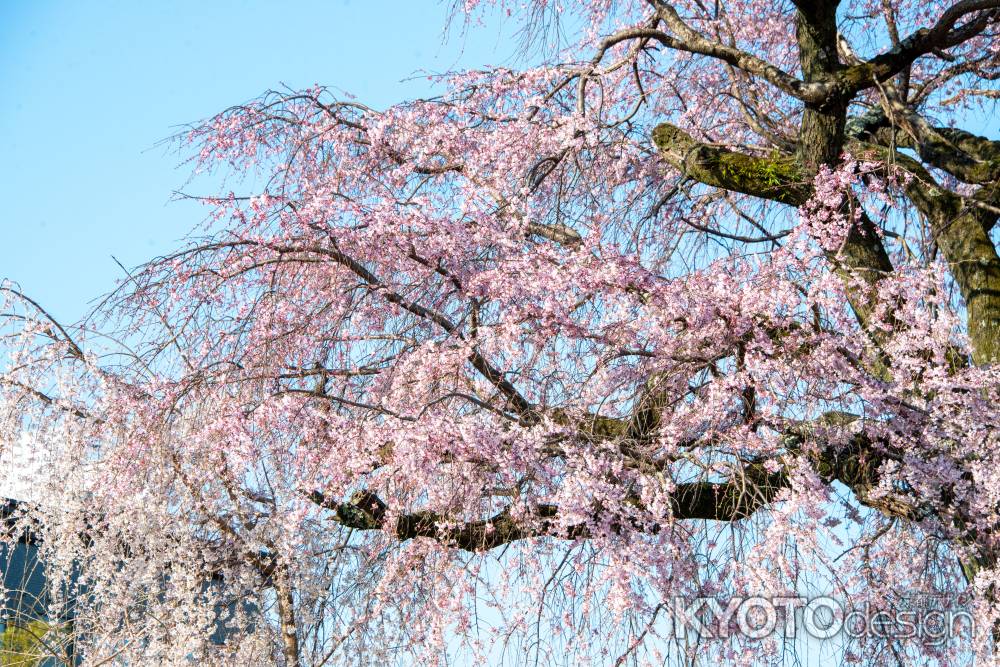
{"x":750,"y":490}
{"x":966,"y":156}
{"x":722,"y":501}
{"x":690,"y":40}
{"x":862,"y":260}
{"x":828,"y":84}
{"x":942,"y":35}
{"x":777,"y":178}
{"x":960,"y":231}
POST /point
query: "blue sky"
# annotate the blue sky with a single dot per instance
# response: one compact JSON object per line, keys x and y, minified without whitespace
{"x":90,"y":88}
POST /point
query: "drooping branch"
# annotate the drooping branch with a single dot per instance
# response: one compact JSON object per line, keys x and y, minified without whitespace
{"x":961,"y":230}
{"x":515,"y":400}
{"x":861,"y":261}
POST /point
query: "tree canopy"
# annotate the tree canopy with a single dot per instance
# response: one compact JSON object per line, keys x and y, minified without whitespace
{"x":706,"y":303}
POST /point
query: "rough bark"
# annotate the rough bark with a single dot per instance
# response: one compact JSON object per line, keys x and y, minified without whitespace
{"x":862,"y":260}
{"x":286,"y":615}
{"x":960,"y":232}
{"x":821,"y":135}
{"x":960,"y":226}
{"x":750,"y":489}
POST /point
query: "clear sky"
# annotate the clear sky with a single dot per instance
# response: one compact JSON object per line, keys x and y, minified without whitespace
{"x":88,"y":89}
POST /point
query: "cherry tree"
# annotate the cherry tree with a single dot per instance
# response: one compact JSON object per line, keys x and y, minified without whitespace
{"x":706,"y":304}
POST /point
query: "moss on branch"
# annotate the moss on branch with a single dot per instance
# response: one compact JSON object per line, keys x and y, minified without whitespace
{"x":861,"y":261}
{"x":776,"y":177}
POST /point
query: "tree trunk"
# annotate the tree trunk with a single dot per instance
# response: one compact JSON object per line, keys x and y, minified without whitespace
{"x":286,"y":616}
